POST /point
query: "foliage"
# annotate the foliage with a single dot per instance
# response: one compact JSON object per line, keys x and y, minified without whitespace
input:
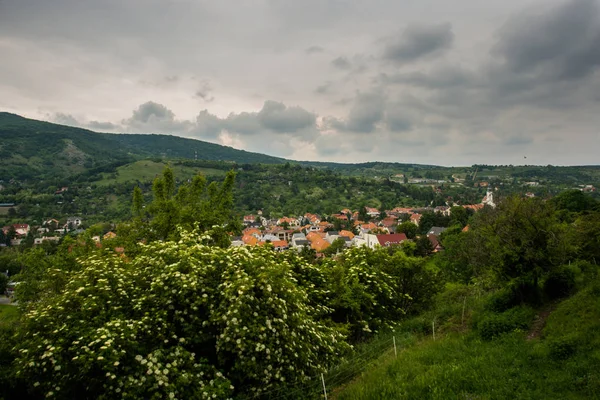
{"x":562,"y":364}
{"x":408,"y":228}
{"x":373,"y":289}
{"x":181,"y":318}
{"x":560,"y":282}
{"x":196,"y":205}
{"x":493,"y":325}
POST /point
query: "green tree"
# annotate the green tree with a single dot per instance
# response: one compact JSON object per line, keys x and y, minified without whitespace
{"x":424,"y":247}
{"x":458,"y":216}
{"x":137,"y":202}
{"x":337,"y":246}
{"x":408,"y":228}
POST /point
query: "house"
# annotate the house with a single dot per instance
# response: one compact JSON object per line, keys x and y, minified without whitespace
{"x":529,"y":194}
{"x":249,"y":219}
{"x":367,"y":227}
{"x":300,"y":243}
{"x":288,"y":221}
{"x":331,"y":236}
{"x":319,"y":244}
{"x":415,"y":218}
{"x":73,"y":223}
{"x":249,"y":240}
{"x":346,"y":211}
{"x":109,"y":235}
{"x":391,"y":239}
{"x":51,"y":222}
{"x":341,"y":217}
{"x":444,"y":210}
{"x":236,"y":241}
{"x":358,"y":241}
{"x":436,"y":230}
{"x":347,"y":234}
{"x":372,"y":212}
{"x":313,"y":219}
{"x":21,"y":229}
{"x":269,"y":237}
{"x":62,"y":190}
{"x":388,"y":222}
{"x":347,"y":240}
{"x":37,"y":241}
{"x":15,"y":242}
{"x":280,"y":245}
{"x":435,"y":243}
{"x":252,"y":232}
{"x":41,"y":231}
{"x":298,"y":237}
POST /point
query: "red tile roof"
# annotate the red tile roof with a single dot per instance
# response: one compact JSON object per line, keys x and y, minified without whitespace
{"x":390,"y":239}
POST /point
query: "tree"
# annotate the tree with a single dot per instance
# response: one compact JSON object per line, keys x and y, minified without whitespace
{"x":196,"y":205}
{"x":137,"y":202}
{"x":362,"y":214}
{"x":459,"y":216}
{"x":408,"y":228}
{"x":520,"y":241}
{"x":337,"y":246}
{"x":424,"y":247}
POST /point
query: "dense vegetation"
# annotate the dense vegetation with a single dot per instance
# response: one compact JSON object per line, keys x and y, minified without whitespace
{"x":167,"y":310}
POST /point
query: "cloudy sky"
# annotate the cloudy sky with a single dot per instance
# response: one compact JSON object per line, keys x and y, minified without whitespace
{"x":426,"y":81}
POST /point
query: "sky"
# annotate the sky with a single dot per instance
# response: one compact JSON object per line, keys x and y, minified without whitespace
{"x":415,"y":81}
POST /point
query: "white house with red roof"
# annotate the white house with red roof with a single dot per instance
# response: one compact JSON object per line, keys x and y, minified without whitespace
{"x":372,"y":212}
{"x":21,"y":229}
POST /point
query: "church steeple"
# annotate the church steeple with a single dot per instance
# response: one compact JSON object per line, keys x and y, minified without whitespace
{"x":489,"y":198}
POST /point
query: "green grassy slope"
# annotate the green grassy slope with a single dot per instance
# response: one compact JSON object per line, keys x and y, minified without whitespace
{"x":562,"y":364}
{"x":147,"y":170}
{"x":32,"y":149}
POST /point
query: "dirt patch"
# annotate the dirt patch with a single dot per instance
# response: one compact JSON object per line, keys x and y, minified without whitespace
{"x":540,"y":321}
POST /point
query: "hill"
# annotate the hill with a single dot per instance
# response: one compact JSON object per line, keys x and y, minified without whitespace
{"x":34,"y":149}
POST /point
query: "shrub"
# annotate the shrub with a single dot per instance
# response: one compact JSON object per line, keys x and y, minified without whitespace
{"x":494,"y":325}
{"x":561,"y":348}
{"x":560,"y":282}
{"x":181,"y":320}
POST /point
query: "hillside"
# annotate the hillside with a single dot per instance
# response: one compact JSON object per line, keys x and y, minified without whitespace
{"x":35,"y":149}
{"x":560,"y":364}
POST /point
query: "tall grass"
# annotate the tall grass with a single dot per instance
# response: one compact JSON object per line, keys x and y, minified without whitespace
{"x":563,"y":364}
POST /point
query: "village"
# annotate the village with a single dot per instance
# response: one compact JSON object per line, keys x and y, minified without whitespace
{"x":347,"y":227}
{"x":350,"y":228}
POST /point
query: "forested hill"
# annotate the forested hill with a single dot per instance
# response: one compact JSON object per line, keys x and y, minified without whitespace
{"x":34,"y":149}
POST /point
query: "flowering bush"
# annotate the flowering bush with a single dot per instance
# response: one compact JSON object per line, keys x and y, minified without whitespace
{"x":181,"y":320}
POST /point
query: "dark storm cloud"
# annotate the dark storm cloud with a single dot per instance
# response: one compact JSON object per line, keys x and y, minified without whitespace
{"x":562,"y":44}
{"x":279,"y":118}
{"x":207,"y":125}
{"x":152,"y":111}
{"x":418,"y":41}
{"x":341,"y":63}
{"x":154,"y":117}
{"x":367,"y":111}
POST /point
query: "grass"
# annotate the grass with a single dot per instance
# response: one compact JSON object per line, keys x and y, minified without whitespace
{"x":562,"y":364}
{"x":147,"y":170}
{"x":8,"y":314}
